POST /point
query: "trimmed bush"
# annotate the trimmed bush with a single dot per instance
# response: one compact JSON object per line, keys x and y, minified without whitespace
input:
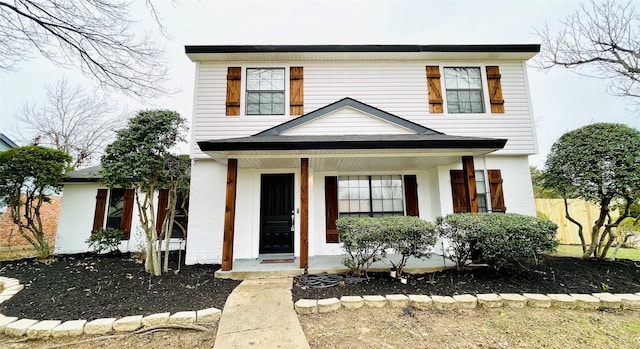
{"x":363,"y":241}
{"x":498,"y":239}
{"x":105,"y":240}
{"x":408,"y":236}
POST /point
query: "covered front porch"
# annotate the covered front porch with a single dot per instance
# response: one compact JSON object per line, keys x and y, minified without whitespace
{"x":260,"y":268}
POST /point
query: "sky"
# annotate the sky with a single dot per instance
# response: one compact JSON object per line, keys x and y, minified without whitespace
{"x":561,"y":100}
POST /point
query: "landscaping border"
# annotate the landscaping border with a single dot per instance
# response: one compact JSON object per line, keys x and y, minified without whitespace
{"x":13,"y":326}
{"x":595,"y":301}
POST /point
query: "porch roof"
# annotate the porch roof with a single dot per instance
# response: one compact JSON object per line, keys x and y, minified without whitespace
{"x":349,"y":142}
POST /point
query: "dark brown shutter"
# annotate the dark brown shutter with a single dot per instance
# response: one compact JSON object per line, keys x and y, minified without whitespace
{"x":331,"y":207}
{"x":234,"y":75}
{"x":495,"y":189}
{"x":495,"y":89}
{"x":411,"y":195}
{"x":127,"y":213}
{"x":296,"y":91}
{"x":163,"y":199}
{"x":435,"y":89}
{"x":101,"y":205}
{"x":459,"y":191}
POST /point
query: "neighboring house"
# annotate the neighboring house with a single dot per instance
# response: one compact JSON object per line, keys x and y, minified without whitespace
{"x":88,"y":205}
{"x":10,"y":238}
{"x":286,"y":139}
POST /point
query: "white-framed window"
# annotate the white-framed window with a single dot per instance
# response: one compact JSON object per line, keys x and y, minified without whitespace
{"x":482,"y":191}
{"x":463,"y":87}
{"x":115,"y":208}
{"x":265,"y":91}
{"x":370,"y":196}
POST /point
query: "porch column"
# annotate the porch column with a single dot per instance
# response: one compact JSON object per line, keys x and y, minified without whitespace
{"x":229,"y":214}
{"x":470,"y":182}
{"x":304,"y":212}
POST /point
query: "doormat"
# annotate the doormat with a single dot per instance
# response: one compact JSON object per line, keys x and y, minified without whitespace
{"x":283,"y":260}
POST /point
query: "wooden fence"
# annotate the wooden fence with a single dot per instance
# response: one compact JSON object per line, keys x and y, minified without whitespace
{"x":580,"y":210}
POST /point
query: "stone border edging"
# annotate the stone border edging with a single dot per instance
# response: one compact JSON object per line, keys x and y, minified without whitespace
{"x":13,"y":326}
{"x":593,"y":301}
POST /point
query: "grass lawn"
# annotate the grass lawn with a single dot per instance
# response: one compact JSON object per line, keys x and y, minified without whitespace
{"x":576,"y":251}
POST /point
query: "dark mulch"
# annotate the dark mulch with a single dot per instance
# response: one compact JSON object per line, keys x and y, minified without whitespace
{"x":552,"y":275}
{"x":90,"y":287}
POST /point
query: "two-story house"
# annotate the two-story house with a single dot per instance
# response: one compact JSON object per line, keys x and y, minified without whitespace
{"x":286,"y":139}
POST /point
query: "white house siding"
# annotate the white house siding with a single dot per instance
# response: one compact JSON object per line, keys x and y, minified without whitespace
{"x":76,"y":221}
{"x":396,"y":87}
{"x":206,"y":212}
{"x":347,"y":121}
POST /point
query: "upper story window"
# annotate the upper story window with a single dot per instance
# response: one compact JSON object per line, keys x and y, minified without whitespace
{"x":463,"y":90}
{"x":370,"y":196}
{"x":265,"y":91}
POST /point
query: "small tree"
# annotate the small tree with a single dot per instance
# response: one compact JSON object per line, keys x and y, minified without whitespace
{"x":408,"y":236}
{"x":599,"y":163}
{"x":176,"y":180}
{"x":136,"y":159}
{"x":363,"y":241}
{"x":28,"y":176}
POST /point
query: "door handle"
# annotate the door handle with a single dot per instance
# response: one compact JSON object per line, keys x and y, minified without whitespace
{"x":293,"y":221}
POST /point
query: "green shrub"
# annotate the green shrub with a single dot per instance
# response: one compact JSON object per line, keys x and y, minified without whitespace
{"x":363,"y":241}
{"x":105,"y":240}
{"x":498,"y":238}
{"x":408,"y":236}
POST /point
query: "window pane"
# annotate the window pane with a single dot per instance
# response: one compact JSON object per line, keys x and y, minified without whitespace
{"x":271,"y":100}
{"x":356,"y":197}
{"x":116,"y":204}
{"x":464,"y":90}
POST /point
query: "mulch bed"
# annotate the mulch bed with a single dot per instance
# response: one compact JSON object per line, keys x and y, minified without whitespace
{"x":90,"y":287}
{"x":552,"y":275}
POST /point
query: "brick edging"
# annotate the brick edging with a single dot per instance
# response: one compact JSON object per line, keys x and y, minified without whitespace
{"x":593,"y":301}
{"x":13,"y":326}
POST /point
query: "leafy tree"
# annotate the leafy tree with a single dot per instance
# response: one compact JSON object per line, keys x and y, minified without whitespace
{"x":28,"y":176}
{"x":599,"y":163}
{"x":74,"y":121}
{"x":408,"y":236}
{"x":136,"y":159}
{"x":602,"y":40}
{"x":176,"y":179}
{"x":539,"y":191}
{"x":94,"y":35}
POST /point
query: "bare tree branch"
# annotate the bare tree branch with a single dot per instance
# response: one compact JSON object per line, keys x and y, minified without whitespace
{"x":602,"y":40}
{"x":74,"y":121}
{"x":94,"y":35}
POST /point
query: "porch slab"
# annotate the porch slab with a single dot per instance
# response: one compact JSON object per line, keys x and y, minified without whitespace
{"x":254,"y":268}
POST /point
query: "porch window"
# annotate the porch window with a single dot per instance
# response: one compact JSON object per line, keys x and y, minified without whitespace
{"x":463,"y":90}
{"x":370,"y":196}
{"x":265,"y":91}
{"x":481,"y":190}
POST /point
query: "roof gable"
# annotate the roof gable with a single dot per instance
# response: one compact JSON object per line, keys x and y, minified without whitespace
{"x":357,"y":112}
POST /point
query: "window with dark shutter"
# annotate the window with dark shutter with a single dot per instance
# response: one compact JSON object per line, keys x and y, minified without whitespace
{"x":234,"y":75}
{"x":411,"y":195}
{"x":459,"y":192}
{"x":495,"y":189}
{"x":331,"y":208}
{"x":101,"y":205}
{"x":296,"y":91}
{"x":495,"y":89}
{"x":434,"y":89}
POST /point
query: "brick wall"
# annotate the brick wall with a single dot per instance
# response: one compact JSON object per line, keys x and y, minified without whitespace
{"x":11,"y":238}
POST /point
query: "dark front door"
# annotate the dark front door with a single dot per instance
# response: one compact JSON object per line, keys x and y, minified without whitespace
{"x":276,"y":213}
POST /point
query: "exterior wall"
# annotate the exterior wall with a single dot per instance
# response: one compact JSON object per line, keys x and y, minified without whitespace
{"x":206,"y":212}
{"x":396,"y":87}
{"x":76,"y":221}
{"x":11,"y":238}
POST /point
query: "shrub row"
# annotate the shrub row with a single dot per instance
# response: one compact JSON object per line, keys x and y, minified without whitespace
{"x":497,"y":239}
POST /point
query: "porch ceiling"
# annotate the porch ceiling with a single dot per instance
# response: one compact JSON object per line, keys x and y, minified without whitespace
{"x":350,"y":161}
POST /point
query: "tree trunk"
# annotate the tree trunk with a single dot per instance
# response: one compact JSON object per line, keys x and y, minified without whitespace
{"x":568,"y":216}
{"x":595,"y":230}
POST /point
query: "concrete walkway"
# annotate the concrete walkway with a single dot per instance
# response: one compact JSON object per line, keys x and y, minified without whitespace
{"x":259,"y":314}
